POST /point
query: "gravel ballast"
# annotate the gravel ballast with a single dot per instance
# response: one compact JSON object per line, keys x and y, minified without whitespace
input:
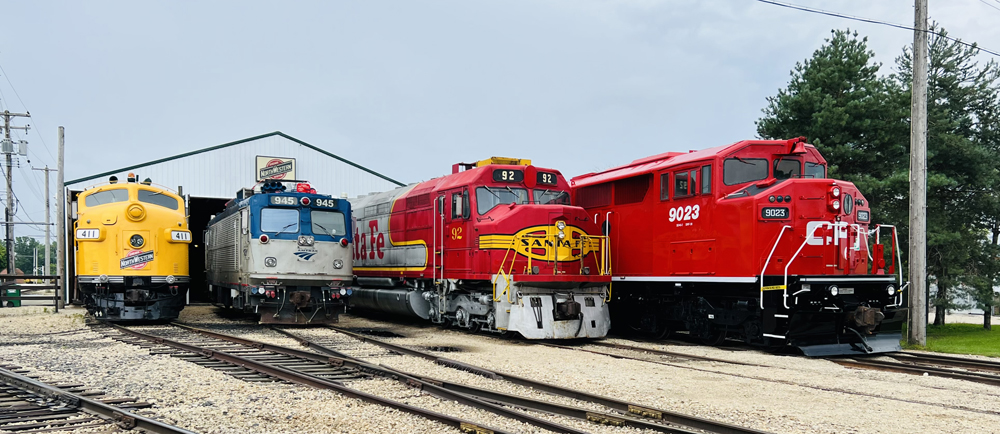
{"x":784,"y":394}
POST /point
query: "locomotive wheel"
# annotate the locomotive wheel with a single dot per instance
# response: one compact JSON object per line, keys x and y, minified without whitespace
{"x":663,"y":333}
{"x":713,"y":337}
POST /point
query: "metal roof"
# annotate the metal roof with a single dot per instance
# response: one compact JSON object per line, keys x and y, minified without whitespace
{"x":221,"y":170}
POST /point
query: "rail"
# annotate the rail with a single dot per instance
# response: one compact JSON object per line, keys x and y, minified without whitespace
{"x":123,"y":418}
{"x":13,"y":293}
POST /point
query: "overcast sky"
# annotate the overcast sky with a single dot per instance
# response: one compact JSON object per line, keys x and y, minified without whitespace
{"x":408,"y":88}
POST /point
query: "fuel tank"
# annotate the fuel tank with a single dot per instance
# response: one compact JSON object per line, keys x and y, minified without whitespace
{"x":395,"y":301}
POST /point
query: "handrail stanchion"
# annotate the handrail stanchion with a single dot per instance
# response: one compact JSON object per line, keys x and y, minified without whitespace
{"x":768,"y":261}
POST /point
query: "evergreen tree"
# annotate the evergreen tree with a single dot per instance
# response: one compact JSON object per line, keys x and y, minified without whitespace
{"x":962,"y":178}
{"x":854,"y":117}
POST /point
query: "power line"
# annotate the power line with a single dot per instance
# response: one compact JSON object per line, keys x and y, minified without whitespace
{"x":872,"y":21}
{"x":990,"y":5}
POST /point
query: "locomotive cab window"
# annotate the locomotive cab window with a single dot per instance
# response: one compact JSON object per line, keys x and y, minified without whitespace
{"x":681,"y":184}
{"x":279,"y":220}
{"x":664,"y":186}
{"x":786,"y":168}
{"x":741,"y":170}
{"x":328,"y":222}
{"x":488,"y":198}
{"x":157,"y":198}
{"x":706,"y":180}
{"x":460,"y":205}
{"x":550,"y":197}
{"x":106,"y":197}
{"x":815,"y":170}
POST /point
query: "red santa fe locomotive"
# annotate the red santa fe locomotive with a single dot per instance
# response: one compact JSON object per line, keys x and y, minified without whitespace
{"x":749,"y":241}
{"x":496,"y":247}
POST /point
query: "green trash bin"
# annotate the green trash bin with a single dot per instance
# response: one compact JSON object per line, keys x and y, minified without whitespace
{"x":13,"y":293}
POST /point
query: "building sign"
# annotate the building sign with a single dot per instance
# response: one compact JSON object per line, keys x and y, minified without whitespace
{"x":275,"y":168}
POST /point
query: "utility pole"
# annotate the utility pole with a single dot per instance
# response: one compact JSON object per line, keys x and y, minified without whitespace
{"x":8,"y":150}
{"x":917,"y":327}
{"x":61,"y":224}
{"x":48,"y":242}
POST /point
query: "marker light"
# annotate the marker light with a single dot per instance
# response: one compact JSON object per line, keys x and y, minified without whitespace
{"x":891,"y":289}
{"x":264,"y":238}
{"x":171,"y":279}
{"x":834,"y":290}
{"x":305,"y":201}
{"x":343,"y":291}
{"x":343,"y":242}
{"x":338,"y":264}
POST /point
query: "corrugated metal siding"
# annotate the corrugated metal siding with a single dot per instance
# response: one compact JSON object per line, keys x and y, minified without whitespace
{"x":220,"y":173}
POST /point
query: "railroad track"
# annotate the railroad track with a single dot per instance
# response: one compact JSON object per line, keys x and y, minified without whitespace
{"x":230,"y":353}
{"x":620,"y":412}
{"x":673,"y":355}
{"x":28,"y":405}
{"x":933,"y":365}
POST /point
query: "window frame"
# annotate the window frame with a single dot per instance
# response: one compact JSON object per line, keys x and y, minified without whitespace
{"x":312,"y":223}
{"x":289,"y":211}
{"x":110,"y":190}
{"x":139,"y":197}
{"x":687,"y":189}
{"x":767,"y":169}
{"x":706,"y":184}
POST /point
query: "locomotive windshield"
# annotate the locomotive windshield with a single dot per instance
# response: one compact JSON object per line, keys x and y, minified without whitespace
{"x":328,"y":222}
{"x":106,"y":197}
{"x":551,"y":197}
{"x":488,"y":198}
{"x":157,"y":198}
{"x":784,"y":169}
{"x":815,"y":170}
{"x":739,"y":170}
{"x":279,"y":220}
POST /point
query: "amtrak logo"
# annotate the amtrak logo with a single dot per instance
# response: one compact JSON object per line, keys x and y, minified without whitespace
{"x":305,"y":256}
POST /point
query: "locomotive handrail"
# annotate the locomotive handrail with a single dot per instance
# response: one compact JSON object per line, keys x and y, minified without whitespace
{"x":768,"y":261}
{"x":836,"y":226}
{"x":899,"y":262}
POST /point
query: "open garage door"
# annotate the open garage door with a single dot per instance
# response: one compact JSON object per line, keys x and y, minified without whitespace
{"x":200,"y":211}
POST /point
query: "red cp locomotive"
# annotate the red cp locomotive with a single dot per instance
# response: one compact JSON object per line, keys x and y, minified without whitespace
{"x":748,"y":241}
{"x":496,"y":247}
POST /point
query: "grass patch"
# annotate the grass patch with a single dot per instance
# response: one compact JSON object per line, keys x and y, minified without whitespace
{"x":960,"y":339}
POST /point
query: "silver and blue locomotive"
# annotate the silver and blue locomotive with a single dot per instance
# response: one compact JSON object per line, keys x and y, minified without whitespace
{"x":283,"y":254}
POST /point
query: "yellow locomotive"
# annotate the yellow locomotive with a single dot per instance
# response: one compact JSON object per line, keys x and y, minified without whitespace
{"x":131,"y":244}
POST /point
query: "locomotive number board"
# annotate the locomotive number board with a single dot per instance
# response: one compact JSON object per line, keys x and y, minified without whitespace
{"x":284,"y":200}
{"x":547,"y":178}
{"x":323,"y":202}
{"x":508,"y":175}
{"x":863,"y":216}
{"x":772,"y":212}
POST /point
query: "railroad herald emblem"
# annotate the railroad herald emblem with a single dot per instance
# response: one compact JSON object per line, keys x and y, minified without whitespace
{"x":136,"y":259}
{"x":544,"y":244}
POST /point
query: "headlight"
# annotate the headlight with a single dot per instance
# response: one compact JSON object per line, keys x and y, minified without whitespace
{"x":561,"y":225}
{"x":271,"y":261}
{"x":103,"y":278}
{"x":343,"y":291}
{"x":306,"y":240}
{"x":562,"y":235}
{"x":136,"y":241}
{"x":834,"y":291}
{"x":891,"y":289}
{"x":171,"y":279}
{"x":835,"y":204}
{"x":836,"y":191}
{"x":338,"y":264}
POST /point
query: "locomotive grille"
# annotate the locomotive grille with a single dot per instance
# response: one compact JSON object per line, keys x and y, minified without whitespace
{"x":632,"y":190}
{"x":595,"y":196}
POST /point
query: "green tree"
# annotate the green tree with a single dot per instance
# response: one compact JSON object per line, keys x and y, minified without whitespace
{"x":24,"y":254}
{"x":855,"y":118}
{"x":962,"y":177}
